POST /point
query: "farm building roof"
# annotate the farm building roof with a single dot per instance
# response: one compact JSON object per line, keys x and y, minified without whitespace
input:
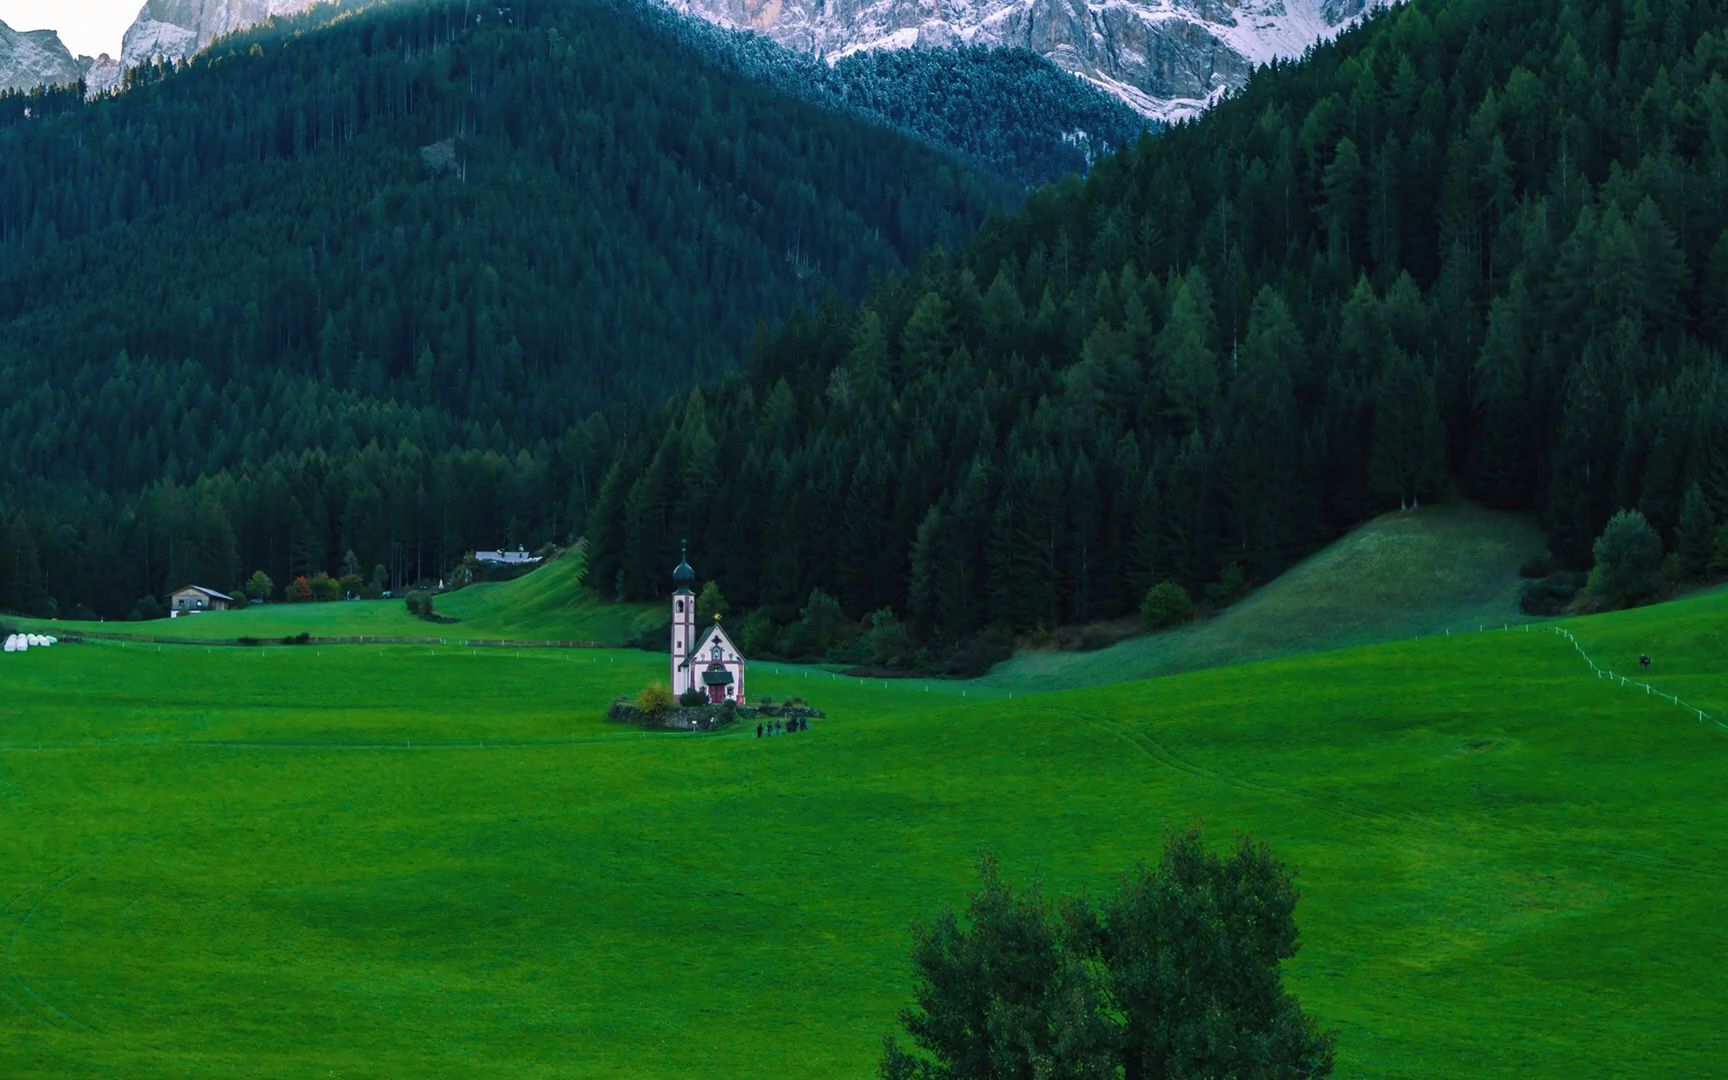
{"x":211,"y":593}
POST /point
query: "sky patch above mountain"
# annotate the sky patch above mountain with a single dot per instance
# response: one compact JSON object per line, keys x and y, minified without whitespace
{"x":88,"y":27}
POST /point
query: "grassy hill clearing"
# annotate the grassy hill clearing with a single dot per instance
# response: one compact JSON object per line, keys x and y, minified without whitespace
{"x":1400,"y":576}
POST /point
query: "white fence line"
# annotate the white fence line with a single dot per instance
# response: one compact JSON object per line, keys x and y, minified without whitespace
{"x":1649,"y":691}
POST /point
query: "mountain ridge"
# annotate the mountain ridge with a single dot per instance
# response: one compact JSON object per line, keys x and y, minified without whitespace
{"x":166,"y":31}
{"x":32,"y":58}
{"x":1168,"y":59}
{"x":170,"y":30}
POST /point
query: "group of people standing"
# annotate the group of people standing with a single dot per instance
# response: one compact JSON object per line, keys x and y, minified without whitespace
{"x":781,"y":727}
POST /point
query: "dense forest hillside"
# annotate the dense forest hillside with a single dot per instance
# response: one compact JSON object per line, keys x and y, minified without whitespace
{"x":371,"y":282}
{"x":1011,"y":111}
{"x":1473,"y":242}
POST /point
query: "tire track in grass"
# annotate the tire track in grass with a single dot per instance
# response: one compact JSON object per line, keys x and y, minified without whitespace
{"x":1344,"y":811}
{"x":34,"y":1004}
{"x":1339,"y":810}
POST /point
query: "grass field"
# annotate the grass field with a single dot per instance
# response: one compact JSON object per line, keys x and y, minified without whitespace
{"x":404,"y":861}
{"x":552,"y":603}
{"x":1400,"y":576}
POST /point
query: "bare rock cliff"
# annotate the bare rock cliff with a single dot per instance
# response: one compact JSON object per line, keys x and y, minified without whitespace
{"x":1169,"y":59}
{"x":32,"y":58}
{"x":175,"y":29}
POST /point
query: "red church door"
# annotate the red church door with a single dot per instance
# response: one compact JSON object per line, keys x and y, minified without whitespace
{"x":715,"y":695}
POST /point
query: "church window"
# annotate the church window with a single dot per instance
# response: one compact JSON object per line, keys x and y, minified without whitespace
{"x":680,"y":607}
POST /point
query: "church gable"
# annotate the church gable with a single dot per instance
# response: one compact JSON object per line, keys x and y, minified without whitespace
{"x":704,"y":653}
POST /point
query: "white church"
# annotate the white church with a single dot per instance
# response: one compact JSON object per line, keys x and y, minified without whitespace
{"x":712,"y":665}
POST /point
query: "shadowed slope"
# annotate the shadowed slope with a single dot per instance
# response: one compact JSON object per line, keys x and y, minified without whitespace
{"x":1401,"y":575}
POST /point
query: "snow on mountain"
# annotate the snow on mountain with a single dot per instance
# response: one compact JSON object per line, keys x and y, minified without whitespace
{"x":175,"y":29}
{"x":1169,"y":59}
{"x":101,"y":74}
{"x":164,"y":30}
{"x":35,"y":58}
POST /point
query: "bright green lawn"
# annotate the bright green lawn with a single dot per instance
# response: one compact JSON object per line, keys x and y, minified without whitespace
{"x":1509,"y":867}
{"x":1403,"y":575}
{"x":552,"y":603}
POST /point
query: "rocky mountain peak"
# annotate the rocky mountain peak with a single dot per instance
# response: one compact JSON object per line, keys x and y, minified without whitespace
{"x":164,"y":30}
{"x":1169,"y":59}
{"x":101,"y":74}
{"x":30,"y":58}
{"x":176,"y":29}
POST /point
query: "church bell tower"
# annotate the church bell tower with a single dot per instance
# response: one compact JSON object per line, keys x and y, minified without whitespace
{"x":683,"y":623}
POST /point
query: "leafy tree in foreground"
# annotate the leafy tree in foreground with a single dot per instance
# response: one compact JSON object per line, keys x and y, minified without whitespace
{"x":259,"y":586}
{"x":1176,"y":974}
{"x":1628,"y":561}
{"x":1009,"y":994}
{"x":1191,"y":950}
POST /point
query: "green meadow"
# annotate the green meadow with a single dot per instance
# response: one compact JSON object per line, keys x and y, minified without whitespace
{"x":362,"y":861}
{"x":552,"y":603}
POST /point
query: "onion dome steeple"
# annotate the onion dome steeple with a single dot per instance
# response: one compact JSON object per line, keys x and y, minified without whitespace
{"x":682,"y":575}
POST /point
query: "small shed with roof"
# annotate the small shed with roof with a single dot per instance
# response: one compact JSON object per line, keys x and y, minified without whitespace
{"x":197,"y":598}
